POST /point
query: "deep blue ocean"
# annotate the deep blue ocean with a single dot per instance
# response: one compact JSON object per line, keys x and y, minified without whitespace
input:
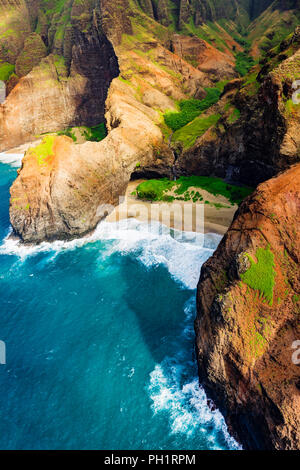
{"x":100,"y":342}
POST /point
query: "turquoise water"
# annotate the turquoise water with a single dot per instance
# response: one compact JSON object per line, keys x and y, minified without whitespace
{"x":100,"y":342}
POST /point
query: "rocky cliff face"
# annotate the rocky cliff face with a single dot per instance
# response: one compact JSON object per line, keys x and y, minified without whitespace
{"x":49,"y":199}
{"x":257,"y":134}
{"x":206,"y":58}
{"x":69,"y":86}
{"x":203,"y":11}
{"x":248,"y":318}
{"x":63,"y":190}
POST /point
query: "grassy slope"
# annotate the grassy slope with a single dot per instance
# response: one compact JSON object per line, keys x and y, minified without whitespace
{"x":157,"y":190}
{"x":270,"y":28}
{"x":188,"y":134}
{"x":261,"y":274}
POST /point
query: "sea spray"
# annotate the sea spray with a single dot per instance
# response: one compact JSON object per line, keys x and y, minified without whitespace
{"x":174,"y":389}
{"x":152,"y":244}
{"x":12,"y":159}
{"x":94,"y":328}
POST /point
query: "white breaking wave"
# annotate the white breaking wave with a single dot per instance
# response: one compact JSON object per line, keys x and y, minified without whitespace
{"x":153,"y":244}
{"x":172,"y":391}
{"x":171,"y":388}
{"x":12,"y":159}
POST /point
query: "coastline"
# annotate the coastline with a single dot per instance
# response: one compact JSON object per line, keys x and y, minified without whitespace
{"x":216,"y":220}
{"x":186,"y":216}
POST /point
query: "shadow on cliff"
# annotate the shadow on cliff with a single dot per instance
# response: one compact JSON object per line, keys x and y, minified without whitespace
{"x":94,"y":58}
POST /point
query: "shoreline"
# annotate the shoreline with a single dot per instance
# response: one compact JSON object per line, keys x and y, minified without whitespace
{"x":181,"y":215}
{"x":185,"y":216}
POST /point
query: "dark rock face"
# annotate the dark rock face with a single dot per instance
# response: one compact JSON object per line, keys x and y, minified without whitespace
{"x":33,"y":52}
{"x":244,"y":341}
{"x":147,"y":7}
{"x":115,"y":19}
{"x":205,"y":10}
{"x":93,"y":58}
{"x":72,"y":82}
{"x":264,"y":139}
{"x":162,"y":13}
{"x":71,"y":100}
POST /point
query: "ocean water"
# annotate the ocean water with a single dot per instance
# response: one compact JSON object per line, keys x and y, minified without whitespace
{"x":100,"y":342}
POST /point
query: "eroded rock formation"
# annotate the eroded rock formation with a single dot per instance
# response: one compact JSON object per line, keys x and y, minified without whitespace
{"x":63,"y":190}
{"x":205,"y":57}
{"x":67,"y":88}
{"x":54,"y":196}
{"x":249,"y":318}
{"x":258,"y":135}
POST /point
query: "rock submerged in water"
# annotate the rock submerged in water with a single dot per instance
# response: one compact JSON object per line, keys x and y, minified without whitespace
{"x":248,"y":318}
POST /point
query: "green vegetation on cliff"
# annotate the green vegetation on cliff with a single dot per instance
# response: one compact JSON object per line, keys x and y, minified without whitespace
{"x":92,"y":134}
{"x":188,"y":134}
{"x":190,"y":109}
{"x":96,"y":133}
{"x":244,"y":63}
{"x":44,"y":150}
{"x":6,"y":70}
{"x":157,"y":190}
{"x":261,"y":275}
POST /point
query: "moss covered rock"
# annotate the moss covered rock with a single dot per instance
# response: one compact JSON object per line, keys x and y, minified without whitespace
{"x":34,"y":50}
{"x":248,"y":317}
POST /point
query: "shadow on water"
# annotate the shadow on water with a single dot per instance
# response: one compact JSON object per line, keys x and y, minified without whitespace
{"x":155,"y":298}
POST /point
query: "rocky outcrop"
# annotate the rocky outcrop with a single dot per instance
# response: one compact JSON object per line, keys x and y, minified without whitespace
{"x":205,"y":10}
{"x":204,"y":57}
{"x":69,"y":87}
{"x":15,"y":26}
{"x":48,"y":99}
{"x":90,"y":44}
{"x":273,"y":24}
{"x":61,"y":185}
{"x":33,"y":52}
{"x":185,"y":11}
{"x":258,"y":135}
{"x":147,"y":7}
{"x":163,"y":13}
{"x":63,"y":190}
{"x":248,"y":305}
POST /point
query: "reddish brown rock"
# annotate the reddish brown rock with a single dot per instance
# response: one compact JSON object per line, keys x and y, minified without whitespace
{"x":244,"y":341}
{"x":205,"y":57}
{"x":259,"y":135}
{"x":63,"y":190}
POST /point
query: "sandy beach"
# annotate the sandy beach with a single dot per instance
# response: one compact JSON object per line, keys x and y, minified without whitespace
{"x":181,"y":215}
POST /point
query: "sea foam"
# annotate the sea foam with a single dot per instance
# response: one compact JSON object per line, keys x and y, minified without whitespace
{"x":153,"y":244}
{"x":12,"y":159}
{"x":174,"y":389}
